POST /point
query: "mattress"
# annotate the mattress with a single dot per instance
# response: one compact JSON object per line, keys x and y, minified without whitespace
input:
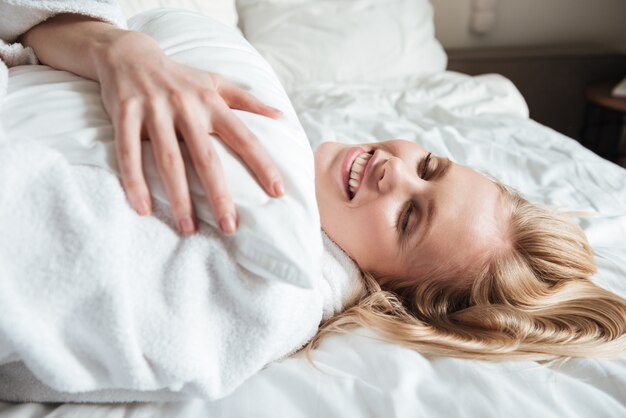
{"x":482,"y":122}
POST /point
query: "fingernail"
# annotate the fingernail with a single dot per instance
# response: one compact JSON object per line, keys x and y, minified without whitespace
{"x":227,"y":224}
{"x":280,"y":112}
{"x":278,"y":188}
{"x":142,"y":208}
{"x":186,"y":225}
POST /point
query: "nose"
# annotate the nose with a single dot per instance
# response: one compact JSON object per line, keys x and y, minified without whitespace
{"x":393,"y":174}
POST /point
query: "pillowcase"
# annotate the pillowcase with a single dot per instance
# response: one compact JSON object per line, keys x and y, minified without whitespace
{"x":221,"y":10}
{"x":343,"y":40}
{"x":69,"y":116}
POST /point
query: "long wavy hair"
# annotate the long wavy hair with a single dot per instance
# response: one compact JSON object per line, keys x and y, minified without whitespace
{"x":531,"y":300}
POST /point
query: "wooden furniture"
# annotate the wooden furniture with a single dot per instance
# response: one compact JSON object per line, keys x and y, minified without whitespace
{"x":552,"y":80}
{"x":603,"y":128}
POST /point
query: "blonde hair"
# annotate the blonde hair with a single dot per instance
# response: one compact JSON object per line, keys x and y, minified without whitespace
{"x":531,"y":300}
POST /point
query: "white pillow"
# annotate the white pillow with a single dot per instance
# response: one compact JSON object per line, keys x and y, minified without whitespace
{"x":278,"y":238}
{"x":222,"y":10}
{"x":343,"y":40}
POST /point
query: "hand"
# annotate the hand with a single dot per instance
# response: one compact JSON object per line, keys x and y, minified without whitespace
{"x":147,"y":94}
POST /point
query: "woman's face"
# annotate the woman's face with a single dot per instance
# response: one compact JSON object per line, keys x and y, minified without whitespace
{"x":405,"y":211}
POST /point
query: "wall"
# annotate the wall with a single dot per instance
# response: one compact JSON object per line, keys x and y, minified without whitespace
{"x":535,"y":22}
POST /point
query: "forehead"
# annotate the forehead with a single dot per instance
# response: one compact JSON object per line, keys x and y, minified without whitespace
{"x":468,"y":222}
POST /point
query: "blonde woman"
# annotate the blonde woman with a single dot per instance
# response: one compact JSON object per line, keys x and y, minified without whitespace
{"x":457,"y":264}
{"x":453,"y":263}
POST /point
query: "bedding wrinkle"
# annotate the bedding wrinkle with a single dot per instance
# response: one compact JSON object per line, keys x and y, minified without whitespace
{"x":496,"y":137}
{"x":479,"y":121}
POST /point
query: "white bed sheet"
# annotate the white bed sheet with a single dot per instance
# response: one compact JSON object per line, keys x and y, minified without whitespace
{"x":482,"y":122}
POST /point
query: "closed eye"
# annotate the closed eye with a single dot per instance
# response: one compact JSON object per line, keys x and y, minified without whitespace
{"x":423,"y":171}
{"x":404,"y":217}
{"x":423,"y":167}
{"x":422,"y":212}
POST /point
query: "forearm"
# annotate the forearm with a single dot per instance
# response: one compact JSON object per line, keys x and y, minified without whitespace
{"x":76,"y":43}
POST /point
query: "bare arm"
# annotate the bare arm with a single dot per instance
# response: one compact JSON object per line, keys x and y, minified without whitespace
{"x":73,"y":43}
{"x":147,"y":94}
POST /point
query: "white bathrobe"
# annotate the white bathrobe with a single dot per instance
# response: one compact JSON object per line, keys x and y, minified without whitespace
{"x":100,"y":304}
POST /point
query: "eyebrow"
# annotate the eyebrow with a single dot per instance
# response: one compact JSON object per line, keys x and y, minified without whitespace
{"x":431,"y":208}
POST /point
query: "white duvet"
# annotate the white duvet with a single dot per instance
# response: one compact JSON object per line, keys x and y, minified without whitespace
{"x":482,"y":122}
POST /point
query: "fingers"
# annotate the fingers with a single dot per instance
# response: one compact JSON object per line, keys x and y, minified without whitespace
{"x":196,"y":112}
{"x":209,"y":170}
{"x":237,"y":98}
{"x":128,"y":150}
{"x":171,"y":168}
{"x":242,"y":141}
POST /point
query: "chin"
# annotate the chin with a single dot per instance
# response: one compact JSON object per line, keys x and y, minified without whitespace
{"x":323,"y":157}
{"x":320,"y":158}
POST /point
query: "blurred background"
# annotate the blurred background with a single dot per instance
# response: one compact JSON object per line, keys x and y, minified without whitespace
{"x":532,"y":23}
{"x":565,"y":56}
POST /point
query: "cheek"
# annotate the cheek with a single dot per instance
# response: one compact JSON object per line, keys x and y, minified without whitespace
{"x":364,"y":234}
{"x":376,"y":244}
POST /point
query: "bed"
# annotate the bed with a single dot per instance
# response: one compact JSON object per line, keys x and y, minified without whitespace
{"x":479,"y":121}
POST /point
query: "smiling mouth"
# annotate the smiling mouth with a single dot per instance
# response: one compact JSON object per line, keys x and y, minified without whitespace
{"x":355,"y":177}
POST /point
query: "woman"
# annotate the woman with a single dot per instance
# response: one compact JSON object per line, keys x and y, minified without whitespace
{"x":453,"y":263}
{"x":457,"y":264}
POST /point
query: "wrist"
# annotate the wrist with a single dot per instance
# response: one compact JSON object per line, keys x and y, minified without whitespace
{"x":107,"y":51}
{"x":120,"y":48}
{"x":71,"y":42}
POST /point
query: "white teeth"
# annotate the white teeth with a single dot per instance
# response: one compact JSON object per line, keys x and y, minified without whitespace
{"x":357,"y":170}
